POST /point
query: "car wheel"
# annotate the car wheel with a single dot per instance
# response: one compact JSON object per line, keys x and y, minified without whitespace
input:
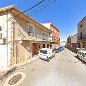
{"x":48,"y":60}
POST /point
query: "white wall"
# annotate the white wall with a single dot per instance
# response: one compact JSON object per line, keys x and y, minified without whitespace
{"x":5,"y":49}
{"x":3,"y":57}
{"x":46,"y":25}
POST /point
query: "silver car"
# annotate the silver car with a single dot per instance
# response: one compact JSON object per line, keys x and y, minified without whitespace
{"x":46,"y":54}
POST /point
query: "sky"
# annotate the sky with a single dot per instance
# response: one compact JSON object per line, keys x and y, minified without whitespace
{"x":63,"y":14}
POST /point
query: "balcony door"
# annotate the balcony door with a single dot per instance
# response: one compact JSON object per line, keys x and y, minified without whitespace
{"x":81,"y":35}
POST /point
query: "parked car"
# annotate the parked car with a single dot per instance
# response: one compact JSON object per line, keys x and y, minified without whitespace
{"x":82,"y":54}
{"x":56,"y":50}
{"x":46,"y":54}
{"x":61,"y":48}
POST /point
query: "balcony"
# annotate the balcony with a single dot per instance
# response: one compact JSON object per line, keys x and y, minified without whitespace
{"x":82,"y":38}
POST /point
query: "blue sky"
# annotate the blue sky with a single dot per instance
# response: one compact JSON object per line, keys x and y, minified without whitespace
{"x":64,"y":14}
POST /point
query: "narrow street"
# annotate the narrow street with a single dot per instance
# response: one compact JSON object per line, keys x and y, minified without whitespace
{"x":63,"y":70}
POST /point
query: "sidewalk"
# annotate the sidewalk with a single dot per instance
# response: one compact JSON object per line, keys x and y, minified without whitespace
{"x":8,"y":71}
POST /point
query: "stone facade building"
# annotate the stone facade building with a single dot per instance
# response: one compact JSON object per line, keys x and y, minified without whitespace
{"x":82,"y":33}
{"x":74,"y":40}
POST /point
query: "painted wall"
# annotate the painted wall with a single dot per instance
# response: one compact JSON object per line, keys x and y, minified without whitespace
{"x":3,"y":57}
{"x":5,"y":23}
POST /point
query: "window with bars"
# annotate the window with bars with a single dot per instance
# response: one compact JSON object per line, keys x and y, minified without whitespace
{"x":31,"y":31}
{"x":0,"y":28}
{"x":0,"y":35}
{"x":0,"y":32}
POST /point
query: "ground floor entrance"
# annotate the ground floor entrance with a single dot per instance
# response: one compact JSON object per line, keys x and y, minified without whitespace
{"x":37,"y":46}
{"x":82,"y":44}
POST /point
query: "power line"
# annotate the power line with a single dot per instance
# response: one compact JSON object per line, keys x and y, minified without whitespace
{"x":33,"y":6}
{"x":41,"y":8}
{"x":30,"y":8}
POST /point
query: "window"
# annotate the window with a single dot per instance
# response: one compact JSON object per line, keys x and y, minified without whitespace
{"x":0,"y":35}
{"x":81,"y":35}
{"x":80,"y":25}
{"x":0,"y":28}
{"x":0,"y":32}
{"x":31,"y":31}
{"x":39,"y":46}
{"x":43,"y":51}
{"x":43,"y":36}
{"x":43,"y":45}
{"x":47,"y":45}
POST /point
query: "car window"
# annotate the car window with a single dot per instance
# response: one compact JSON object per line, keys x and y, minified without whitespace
{"x":43,"y":51}
{"x":79,"y":53}
{"x":83,"y":54}
{"x":52,"y":51}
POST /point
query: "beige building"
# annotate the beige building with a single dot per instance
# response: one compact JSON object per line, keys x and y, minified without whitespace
{"x":21,"y":37}
{"x":82,"y":33}
{"x":74,"y":41}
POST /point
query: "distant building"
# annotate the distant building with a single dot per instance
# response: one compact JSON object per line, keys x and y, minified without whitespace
{"x":63,"y":43}
{"x":68,"y":43}
{"x":74,"y":40}
{"x":55,"y":35}
{"x":82,"y":33}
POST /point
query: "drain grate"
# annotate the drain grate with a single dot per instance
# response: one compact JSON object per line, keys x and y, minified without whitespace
{"x":15,"y":79}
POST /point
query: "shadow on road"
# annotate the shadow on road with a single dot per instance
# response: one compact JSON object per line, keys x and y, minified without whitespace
{"x":80,"y":59}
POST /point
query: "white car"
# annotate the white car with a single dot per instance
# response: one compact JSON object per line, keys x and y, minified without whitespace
{"x":82,"y":54}
{"x":46,"y":54}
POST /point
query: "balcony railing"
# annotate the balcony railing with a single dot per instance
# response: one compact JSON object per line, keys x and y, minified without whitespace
{"x":82,"y":38}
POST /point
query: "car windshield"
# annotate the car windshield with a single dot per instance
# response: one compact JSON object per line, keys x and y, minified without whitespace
{"x":43,"y":51}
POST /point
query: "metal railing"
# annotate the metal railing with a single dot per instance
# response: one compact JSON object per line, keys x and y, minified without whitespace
{"x":82,"y":38}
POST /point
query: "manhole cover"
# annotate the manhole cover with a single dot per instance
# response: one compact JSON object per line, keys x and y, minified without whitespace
{"x":14,"y":79}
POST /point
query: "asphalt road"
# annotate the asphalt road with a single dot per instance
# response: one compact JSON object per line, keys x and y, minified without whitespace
{"x":63,"y":70}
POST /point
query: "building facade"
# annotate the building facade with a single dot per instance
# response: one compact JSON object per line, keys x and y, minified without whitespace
{"x":74,"y":41}
{"x":68,"y":43}
{"x":82,"y":33}
{"x":55,"y":35}
{"x":21,"y":37}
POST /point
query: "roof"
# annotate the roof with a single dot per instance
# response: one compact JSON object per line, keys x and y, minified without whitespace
{"x":81,"y":20}
{"x":21,"y":13}
{"x":49,"y":23}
